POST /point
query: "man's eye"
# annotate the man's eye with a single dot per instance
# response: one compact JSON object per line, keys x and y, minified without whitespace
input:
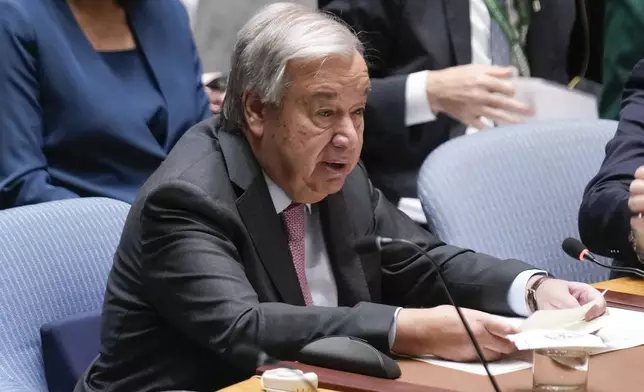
{"x":359,"y":112}
{"x":325,"y":113}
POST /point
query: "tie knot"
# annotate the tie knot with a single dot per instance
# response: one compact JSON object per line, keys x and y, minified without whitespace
{"x":292,"y":206}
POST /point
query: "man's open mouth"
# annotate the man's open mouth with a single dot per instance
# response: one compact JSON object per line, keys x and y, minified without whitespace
{"x":336,"y":165}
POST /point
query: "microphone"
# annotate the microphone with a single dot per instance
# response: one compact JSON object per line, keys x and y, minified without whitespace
{"x":370,"y":244}
{"x":577,"y":250}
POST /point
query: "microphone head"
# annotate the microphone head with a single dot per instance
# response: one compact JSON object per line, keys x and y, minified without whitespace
{"x":573,"y":248}
{"x":367,"y":244}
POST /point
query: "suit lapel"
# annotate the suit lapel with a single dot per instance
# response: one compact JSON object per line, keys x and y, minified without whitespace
{"x":256,"y":209}
{"x":339,"y":236}
{"x":267,"y":232}
{"x":460,"y":29}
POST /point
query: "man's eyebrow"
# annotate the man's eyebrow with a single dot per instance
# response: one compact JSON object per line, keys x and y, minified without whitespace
{"x":324,"y":95}
{"x":332,"y":94}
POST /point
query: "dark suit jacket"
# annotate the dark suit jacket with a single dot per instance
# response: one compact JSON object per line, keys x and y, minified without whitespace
{"x":604,"y":216}
{"x":406,"y":36}
{"x":70,"y":125}
{"x":203,"y":267}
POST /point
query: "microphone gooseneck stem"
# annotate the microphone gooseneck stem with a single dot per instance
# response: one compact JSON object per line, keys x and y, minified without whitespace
{"x":458,"y":309}
{"x":628,"y":270}
{"x":578,"y":251}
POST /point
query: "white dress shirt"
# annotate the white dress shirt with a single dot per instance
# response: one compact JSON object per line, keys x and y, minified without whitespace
{"x":319,"y":274}
{"x":417,"y":107}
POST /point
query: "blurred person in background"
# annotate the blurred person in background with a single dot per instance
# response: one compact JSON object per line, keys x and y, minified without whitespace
{"x":95,"y":93}
{"x":215,"y":24}
{"x":441,"y":69}
{"x":609,"y":217}
{"x":623,"y":24}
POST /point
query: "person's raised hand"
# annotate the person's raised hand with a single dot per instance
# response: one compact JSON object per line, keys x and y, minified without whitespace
{"x":469,"y":92}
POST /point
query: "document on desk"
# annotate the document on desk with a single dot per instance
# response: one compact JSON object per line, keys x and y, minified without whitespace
{"x":518,"y":361}
{"x":554,"y":101}
{"x":572,"y":320}
{"x":619,"y":329}
{"x":623,"y":329}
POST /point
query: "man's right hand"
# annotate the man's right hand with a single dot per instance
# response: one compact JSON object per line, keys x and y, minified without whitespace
{"x":438,"y":331}
{"x":469,"y":92}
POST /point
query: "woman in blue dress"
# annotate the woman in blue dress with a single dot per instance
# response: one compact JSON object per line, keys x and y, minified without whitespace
{"x":93,"y":95}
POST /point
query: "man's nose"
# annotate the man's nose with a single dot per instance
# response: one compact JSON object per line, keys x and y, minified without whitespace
{"x":346,"y":136}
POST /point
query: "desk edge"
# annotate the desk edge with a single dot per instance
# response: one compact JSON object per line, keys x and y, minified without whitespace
{"x":351,"y":382}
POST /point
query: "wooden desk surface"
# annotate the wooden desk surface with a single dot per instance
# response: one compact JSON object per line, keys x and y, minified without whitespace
{"x":253,"y":385}
{"x":623,"y":285}
{"x":622,"y":367}
{"x":609,"y":372}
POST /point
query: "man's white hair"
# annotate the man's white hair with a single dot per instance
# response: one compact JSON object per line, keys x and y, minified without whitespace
{"x":278,"y":33}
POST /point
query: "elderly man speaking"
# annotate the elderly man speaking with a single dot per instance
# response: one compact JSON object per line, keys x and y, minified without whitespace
{"x":243,"y":237}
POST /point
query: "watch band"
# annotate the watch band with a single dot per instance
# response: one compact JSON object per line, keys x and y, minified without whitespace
{"x":531,"y":297}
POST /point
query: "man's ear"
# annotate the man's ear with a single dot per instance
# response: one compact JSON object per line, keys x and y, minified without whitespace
{"x":254,"y":113}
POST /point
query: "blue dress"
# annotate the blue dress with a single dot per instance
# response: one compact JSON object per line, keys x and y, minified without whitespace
{"x":75,"y":122}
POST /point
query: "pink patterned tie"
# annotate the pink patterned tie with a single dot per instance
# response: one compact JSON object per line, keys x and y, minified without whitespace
{"x":294,"y":219}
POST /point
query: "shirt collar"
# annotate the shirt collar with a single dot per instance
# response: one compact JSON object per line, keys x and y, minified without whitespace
{"x":281,"y":200}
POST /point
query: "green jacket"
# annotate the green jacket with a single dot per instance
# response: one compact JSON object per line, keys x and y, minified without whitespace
{"x":623,"y":48}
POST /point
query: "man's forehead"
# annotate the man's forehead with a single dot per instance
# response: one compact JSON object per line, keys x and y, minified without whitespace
{"x":330,"y":85}
{"x":338,"y":69}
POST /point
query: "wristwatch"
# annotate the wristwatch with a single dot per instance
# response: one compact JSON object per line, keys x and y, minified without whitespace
{"x":639,"y":253}
{"x":531,"y":297}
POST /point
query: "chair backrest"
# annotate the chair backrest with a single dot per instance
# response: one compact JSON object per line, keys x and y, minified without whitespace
{"x":54,"y":262}
{"x":514,"y":192}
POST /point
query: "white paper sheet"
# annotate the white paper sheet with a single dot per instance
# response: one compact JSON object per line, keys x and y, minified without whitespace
{"x":555,"y":102}
{"x":519,"y":361}
{"x":622,"y":330}
{"x":536,"y":339}
{"x":572,"y":320}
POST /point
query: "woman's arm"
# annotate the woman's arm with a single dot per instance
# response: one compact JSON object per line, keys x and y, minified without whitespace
{"x":24,"y":178}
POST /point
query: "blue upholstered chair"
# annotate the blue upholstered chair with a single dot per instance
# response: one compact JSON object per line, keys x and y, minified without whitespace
{"x":514,"y":192}
{"x":54,"y":262}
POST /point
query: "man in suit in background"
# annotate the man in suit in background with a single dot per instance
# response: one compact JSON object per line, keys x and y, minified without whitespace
{"x":243,"y":237}
{"x":610,"y":221}
{"x":412,"y":111}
